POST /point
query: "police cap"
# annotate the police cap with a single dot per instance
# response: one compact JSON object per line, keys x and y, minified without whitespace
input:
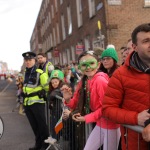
{"x":29,"y":55}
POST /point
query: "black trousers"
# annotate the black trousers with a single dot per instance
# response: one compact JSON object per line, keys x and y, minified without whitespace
{"x":36,"y":116}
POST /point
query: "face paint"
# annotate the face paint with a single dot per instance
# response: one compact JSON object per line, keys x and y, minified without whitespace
{"x":91,"y":63}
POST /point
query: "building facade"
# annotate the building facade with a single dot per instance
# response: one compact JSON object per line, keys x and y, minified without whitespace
{"x":68,"y":27}
{"x":122,"y":16}
{"x":64,"y":28}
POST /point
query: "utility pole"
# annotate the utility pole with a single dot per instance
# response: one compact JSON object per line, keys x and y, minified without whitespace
{"x":98,"y":44}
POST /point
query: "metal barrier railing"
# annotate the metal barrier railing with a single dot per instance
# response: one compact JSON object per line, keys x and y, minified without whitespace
{"x":68,"y":137}
{"x":139,"y":130}
{"x":73,"y":135}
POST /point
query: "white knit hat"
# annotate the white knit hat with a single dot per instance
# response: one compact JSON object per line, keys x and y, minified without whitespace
{"x":110,"y":46}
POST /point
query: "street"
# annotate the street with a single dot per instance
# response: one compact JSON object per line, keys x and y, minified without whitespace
{"x":18,"y":134}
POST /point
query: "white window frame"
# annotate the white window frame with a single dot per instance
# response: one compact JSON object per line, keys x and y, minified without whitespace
{"x":146,"y":3}
{"x":58,"y":33}
{"x":63,"y":27}
{"x":79,"y":13}
{"x":92,"y":9}
{"x":69,"y":20}
{"x":61,"y":2}
{"x":114,"y":2}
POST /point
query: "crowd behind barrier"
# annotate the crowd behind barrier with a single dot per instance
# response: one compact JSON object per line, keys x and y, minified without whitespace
{"x":72,"y":133}
{"x":68,"y":135}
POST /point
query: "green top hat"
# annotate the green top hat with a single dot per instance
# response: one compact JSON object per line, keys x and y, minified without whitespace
{"x":57,"y":74}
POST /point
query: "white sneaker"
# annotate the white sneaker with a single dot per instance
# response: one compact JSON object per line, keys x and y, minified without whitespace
{"x":50,"y":140}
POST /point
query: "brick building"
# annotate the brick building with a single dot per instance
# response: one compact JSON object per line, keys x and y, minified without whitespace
{"x":122,"y":16}
{"x":66,"y":27}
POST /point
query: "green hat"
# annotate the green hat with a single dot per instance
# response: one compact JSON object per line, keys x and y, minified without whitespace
{"x":57,"y":74}
{"x":110,"y":52}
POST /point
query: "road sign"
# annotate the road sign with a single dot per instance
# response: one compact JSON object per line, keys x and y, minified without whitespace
{"x":79,"y":49}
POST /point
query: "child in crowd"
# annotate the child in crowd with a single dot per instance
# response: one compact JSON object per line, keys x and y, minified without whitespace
{"x":55,"y":105}
{"x":87,"y":103}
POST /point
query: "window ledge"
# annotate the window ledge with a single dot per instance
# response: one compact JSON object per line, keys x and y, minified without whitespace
{"x":146,"y":6}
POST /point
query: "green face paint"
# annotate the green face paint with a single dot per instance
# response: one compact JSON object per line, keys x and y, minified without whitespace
{"x":91,"y":63}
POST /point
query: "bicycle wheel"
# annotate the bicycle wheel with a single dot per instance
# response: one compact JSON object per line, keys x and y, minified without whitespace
{"x":1,"y":127}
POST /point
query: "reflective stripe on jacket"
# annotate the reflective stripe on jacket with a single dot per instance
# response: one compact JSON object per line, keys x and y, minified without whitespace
{"x":41,"y":81}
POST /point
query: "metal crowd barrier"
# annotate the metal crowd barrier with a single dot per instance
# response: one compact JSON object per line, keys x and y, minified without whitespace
{"x":70,"y":137}
{"x":139,"y":130}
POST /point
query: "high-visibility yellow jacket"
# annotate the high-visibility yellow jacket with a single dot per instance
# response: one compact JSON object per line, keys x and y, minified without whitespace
{"x":32,"y":91}
{"x":47,"y":67}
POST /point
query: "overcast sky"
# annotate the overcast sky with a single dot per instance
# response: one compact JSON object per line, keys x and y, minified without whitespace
{"x":17,"y":21}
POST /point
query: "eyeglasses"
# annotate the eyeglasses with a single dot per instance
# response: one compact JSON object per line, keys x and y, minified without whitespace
{"x":106,"y":58}
{"x":88,"y":63}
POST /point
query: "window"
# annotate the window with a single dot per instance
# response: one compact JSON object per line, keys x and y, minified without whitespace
{"x":73,"y":53}
{"x":64,"y":57}
{"x":52,"y":8}
{"x":61,"y":1}
{"x":68,"y":55}
{"x":58,"y":36}
{"x":54,"y":35}
{"x":49,"y":17}
{"x":60,"y":56}
{"x":47,"y":22}
{"x":69,"y":20}
{"x":91,"y":8}
{"x":46,"y":44}
{"x":147,"y":3}
{"x":56,"y":6}
{"x":87,"y":42}
{"x":49,"y":55}
{"x":79,"y":13}
{"x":51,"y":40}
{"x":63,"y":27}
{"x":114,"y":2}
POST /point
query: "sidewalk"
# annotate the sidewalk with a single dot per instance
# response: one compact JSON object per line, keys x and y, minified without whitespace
{"x":18,"y":134}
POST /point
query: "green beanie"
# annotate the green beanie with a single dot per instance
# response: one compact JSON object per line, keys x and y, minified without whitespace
{"x":57,"y":74}
{"x":110,"y":52}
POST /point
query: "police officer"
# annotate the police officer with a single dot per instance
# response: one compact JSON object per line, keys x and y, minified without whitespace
{"x":34,"y":103}
{"x":44,"y":64}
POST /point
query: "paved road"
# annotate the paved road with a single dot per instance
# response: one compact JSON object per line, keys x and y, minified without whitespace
{"x":17,"y":131}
